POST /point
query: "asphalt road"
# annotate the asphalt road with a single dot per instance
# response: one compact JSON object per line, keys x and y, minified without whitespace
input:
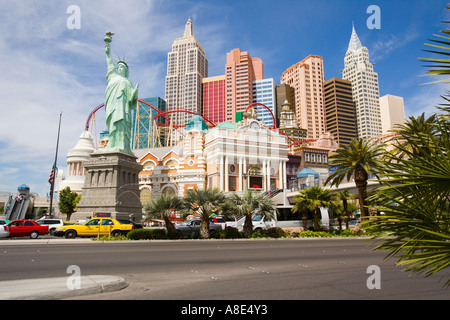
{"x":284,"y":269}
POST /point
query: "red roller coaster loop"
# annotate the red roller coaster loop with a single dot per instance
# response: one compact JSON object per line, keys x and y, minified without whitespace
{"x":159,"y":114}
{"x":163,"y":114}
{"x":274,"y":127}
{"x":301,"y":141}
{"x":91,"y":115}
{"x":264,"y":106}
{"x":176,"y":127}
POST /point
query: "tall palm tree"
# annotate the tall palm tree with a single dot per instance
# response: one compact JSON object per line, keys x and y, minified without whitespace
{"x":204,"y":202}
{"x":163,"y":207}
{"x":313,"y":198}
{"x":356,"y":161}
{"x":250,"y":203}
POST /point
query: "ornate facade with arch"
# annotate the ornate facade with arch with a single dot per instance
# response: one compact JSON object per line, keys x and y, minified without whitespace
{"x":174,"y":169}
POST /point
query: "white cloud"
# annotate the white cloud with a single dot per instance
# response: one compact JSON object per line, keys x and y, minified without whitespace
{"x":383,"y":47}
{"x":425,"y":99}
{"x":51,"y":69}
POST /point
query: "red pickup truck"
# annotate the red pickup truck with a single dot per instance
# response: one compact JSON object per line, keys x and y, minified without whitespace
{"x":24,"y":228}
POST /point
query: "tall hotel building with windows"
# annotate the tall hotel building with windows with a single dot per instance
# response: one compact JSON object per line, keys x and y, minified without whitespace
{"x":359,"y":70}
{"x":307,"y":79}
{"x":264,"y":93}
{"x":187,"y":65}
{"x":241,"y":70}
{"x":213,"y":97}
{"x":340,"y":110}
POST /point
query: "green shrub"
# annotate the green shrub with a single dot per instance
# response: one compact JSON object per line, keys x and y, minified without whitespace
{"x":347,"y":233}
{"x":257,"y":234}
{"x":228,"y":233}
{"x":275,"y":232}
{"x":147,"y":234}
{"x":313,"y":234}
{"x":175,"y":235}
{"x":109,"y":238}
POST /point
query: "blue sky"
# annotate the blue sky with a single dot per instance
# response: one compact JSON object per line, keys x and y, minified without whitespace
{"x":48,"y":68}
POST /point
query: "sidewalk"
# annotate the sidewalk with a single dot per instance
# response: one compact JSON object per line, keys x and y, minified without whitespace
{"x":9,"y":242}
{"x":59,"y":288}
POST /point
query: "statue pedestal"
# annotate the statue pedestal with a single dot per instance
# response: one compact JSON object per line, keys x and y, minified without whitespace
{"x":111,"y":187}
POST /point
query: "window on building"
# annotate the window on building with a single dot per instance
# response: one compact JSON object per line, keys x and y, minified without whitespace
{"x":172,"y":164}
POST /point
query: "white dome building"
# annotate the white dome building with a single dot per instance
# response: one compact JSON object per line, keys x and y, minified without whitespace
{"x":76,"y":173}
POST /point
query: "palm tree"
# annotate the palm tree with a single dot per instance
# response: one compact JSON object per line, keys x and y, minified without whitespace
{"x":343,"y":214}
{"x":416,"y":197}
{"x":302,"y":205}
{"x":356,"y":161}
{"x":163,"y":207}
{"x":313,"y":198}
{"x":204,"y":202}
{"x":250,"y":203}
{"x":344,"y":196}
{"x":440,"y":66}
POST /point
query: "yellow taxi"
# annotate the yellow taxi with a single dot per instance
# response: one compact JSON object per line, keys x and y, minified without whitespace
{"x":94,"y":227}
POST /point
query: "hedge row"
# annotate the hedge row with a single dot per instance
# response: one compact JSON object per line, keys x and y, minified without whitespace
{"x":152,"y":234}
{"x":233,"y":233}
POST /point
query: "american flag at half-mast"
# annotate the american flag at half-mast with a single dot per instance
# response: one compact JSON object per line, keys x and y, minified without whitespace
{"x":52,"y":175}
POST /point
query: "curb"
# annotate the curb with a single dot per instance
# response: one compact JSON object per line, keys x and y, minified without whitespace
{"x":89,"y":241}
{"x":58,"y":288}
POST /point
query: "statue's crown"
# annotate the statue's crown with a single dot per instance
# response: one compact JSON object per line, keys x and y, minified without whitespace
{"x":122,"y":60}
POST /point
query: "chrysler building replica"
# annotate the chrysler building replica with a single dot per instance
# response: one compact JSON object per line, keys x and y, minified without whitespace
{"x":359,"y":70}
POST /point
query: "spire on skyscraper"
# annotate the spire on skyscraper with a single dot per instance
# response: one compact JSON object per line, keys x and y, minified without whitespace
{"x":355,"y":43}
{"x":189,"y":29}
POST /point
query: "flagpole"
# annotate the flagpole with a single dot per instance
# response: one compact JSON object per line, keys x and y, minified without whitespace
{"x":52,"y":188}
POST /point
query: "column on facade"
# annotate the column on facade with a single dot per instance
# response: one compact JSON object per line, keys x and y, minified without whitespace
{"x":268,"y":175}
{"x":280,"y":175}
{"x":263,"y":170}
{"x":244,"y":169}
{"x":221,"y":172}
{"x":284,"y":174}
{"x":240,"y":182}
{"x":226,"y":174}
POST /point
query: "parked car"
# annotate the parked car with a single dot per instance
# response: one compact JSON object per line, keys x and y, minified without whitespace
{"x":135,"y":225}
{"x":94,"y":227}
{"x":24,"y":228}
{"x":352,"y":224}
{"x":52,"y":224}
{"x":4,"y":233}
{"x":217,"y":220}
{"x":192,"y":226}
{"x":4,"y":222}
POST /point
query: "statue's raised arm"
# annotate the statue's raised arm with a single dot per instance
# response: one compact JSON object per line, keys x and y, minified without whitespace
{"x":109,"y":60}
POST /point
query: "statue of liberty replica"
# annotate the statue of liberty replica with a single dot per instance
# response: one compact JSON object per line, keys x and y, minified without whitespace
{"x":120,"y":99}
{"x":111,"y":186}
